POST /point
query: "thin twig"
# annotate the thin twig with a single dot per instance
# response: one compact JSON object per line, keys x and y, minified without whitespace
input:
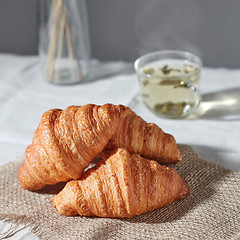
{"x":60,"y":40}
{"x":70,"y":50}
{"x":77,"y":58}
{"x":53,"y":39}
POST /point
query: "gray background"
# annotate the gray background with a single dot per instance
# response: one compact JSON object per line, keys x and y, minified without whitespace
{"x":123,"y":30}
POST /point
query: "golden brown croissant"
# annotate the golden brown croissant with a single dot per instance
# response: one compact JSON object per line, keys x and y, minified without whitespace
{"x":143,"y":138}
{"x":66,"y":141}
{"x":122,"y":185}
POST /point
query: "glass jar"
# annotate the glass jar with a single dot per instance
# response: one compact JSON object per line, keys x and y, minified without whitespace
{"x":64,"y":45}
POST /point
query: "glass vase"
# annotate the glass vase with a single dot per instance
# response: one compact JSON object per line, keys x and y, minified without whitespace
{"x":64,"y":46}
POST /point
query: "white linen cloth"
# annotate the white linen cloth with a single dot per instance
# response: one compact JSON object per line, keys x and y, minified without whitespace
{"x":213,"y":132}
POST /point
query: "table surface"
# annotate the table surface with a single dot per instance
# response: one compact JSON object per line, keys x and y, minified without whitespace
{"x":213,"y":131}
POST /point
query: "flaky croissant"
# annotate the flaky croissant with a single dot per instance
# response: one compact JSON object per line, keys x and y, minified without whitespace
{"x":143,"y":138}
{"x":66,"y":141}
{"x":121,"y":185}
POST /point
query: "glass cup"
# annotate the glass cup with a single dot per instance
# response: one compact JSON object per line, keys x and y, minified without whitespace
{"x":169,"y":82}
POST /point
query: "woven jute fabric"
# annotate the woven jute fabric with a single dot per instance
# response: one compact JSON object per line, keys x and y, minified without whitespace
{"x":211,"y":211}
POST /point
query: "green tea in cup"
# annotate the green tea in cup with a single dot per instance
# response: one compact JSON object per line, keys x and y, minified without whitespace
{"x":169,"y":82}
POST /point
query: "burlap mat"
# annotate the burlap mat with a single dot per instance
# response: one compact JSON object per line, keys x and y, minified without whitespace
{"x":211,"y":211}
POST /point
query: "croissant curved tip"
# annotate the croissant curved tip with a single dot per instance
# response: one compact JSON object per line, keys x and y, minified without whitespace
{"x":26,"y":181}
{"x":184,"y":190}
{"x":62,"y":207}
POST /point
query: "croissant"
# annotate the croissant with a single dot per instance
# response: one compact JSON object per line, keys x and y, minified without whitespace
{"x":122,"y":185}
{"x":66,"y":141}
{"x":143,"y":138}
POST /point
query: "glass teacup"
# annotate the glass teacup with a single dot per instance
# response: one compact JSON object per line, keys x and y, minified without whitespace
{"x":169,"y":82}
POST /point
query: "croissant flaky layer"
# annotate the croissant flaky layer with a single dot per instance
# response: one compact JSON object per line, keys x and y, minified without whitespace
{"x":66,"y":141}
{"x":121,"y":185}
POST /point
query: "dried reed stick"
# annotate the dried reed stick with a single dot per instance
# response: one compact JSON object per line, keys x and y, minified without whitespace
{"x":60,"y":39}
{"x":70,"y":50}
{"x":53,"y":40}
